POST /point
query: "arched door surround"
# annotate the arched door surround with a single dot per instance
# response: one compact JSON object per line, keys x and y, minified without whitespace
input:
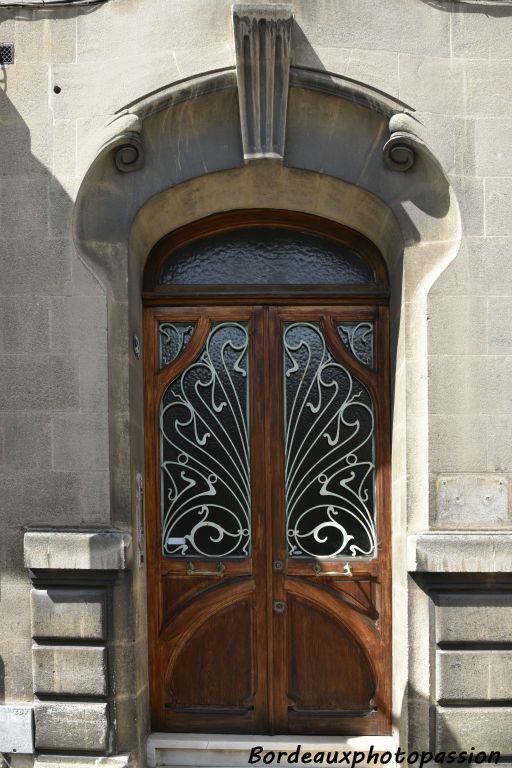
{"x":189,"y":137}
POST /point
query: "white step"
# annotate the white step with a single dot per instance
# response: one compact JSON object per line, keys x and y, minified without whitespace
{"x":182,"y":750}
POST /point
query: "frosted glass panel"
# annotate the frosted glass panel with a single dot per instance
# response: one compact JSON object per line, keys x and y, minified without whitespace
{"x":329,"y":449}
{"x":265,"y":256}
{"x":204,"y":439}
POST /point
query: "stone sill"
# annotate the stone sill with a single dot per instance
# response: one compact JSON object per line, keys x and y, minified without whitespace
{"x":64,"y":761}
{"x":459,"y":552}
{"x":99,"y":550}
{"x":220,"y":750}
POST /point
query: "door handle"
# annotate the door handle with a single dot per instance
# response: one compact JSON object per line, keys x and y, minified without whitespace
{"x":219,"y":570}
{"x":345,"y":573}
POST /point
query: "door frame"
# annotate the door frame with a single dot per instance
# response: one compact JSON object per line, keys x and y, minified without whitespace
{"x":374,"y":296}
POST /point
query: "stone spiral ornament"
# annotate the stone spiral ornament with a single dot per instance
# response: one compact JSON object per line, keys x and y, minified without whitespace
{"x":399,"y":152}
{"x":129,"y":154}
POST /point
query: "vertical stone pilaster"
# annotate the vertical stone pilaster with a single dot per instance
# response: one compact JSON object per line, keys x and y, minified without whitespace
{"x":263,"y":52}
{"x":73,"y":574}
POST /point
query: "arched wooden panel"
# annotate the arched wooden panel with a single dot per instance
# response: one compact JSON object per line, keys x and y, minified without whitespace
{"x":328,"y":668}
{"x":214,"y":669}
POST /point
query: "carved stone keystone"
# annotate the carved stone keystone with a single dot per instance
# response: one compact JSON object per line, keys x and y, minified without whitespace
{"x":263,"y":49}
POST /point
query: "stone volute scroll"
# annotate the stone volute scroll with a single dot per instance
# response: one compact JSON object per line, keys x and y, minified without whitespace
{"x":400,"y":149}
{"x":263,"y":51}
{"x":122,"y":137}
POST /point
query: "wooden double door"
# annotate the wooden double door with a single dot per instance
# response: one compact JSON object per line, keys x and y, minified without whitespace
{"x":268,"y":519}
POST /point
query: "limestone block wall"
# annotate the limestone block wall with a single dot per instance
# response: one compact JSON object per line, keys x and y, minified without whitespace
{"x":65,"y":414}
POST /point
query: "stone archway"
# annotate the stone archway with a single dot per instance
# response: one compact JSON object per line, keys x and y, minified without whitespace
{"x":350,"y":156}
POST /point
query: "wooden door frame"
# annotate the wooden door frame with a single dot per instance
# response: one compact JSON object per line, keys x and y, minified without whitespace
{"x":185,"y":297}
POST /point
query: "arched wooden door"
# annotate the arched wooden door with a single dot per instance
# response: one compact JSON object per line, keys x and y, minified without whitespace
{"x":267,"y":451}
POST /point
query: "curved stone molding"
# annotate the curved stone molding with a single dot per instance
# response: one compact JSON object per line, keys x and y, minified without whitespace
{"x":333,"y":84}
{"x":263,"y":50}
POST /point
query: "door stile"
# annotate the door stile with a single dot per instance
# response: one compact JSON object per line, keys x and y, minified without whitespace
{"x":258,"y":417}
{"x":383,"y":695}
{"x":294,"y":580}
{"x":247,"y":577}
{"x":277,"y":548}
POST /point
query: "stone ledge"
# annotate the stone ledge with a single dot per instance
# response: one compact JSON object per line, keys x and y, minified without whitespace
{"x":223,"y":751}
{"x":65,"y":761}
{"x":459,"y":552}
{"x":101,"y":550}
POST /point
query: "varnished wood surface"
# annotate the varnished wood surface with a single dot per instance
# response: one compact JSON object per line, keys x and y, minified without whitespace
{"x":221,"y":659}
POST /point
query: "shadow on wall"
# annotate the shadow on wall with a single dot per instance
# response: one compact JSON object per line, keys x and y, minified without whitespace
{"x":498,"y":10}
{"x":426,"y":186}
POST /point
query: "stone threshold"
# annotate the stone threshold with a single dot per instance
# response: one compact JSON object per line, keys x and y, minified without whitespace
{"x":232,"y":751}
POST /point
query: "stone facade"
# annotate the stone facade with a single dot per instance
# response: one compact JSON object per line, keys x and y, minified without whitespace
{"x":123,"y":120}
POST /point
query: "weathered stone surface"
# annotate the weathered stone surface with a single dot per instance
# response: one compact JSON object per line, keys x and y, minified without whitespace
{"x":78,"y":550}
{"x":39,"y":382}
{"x":35,"y":266}
{"x":24,"y":326}
{"x":470,"y":384}
{"x":473,"y":37}
{"x":93,"y":383}
{"x":16,"y":730}
{"x":457,"y":325}
{"x":70,"y":670}
{"x":81,"y":726}
{"x":16,"y":160}
{"x":460,"y":553}
{"x":493,"y":147}
{"x":27,"y":441}
{"x":58,"y":761}
{"x":486,"y":729}
{"x":498,"y":206}
{"x":30,"y":195}
{"x":69,"y":614}
{"x":457,"y":444}
{"x":263,"y":50}
{"x":499,"y":456}
{"x":27,"y":94}
{"x":419,"y":83}
{"x":499,"y":319}
{"x":74,"y":498}
{"x":475,"y":618}
{"x":471,"y":198}
{"x":80,"y":441}
{"x":478,"y":675}
{"x":79,"y":325}
{"x":472,"y":501}
{"x":45,"y":39}
{"x":488,"y":262}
